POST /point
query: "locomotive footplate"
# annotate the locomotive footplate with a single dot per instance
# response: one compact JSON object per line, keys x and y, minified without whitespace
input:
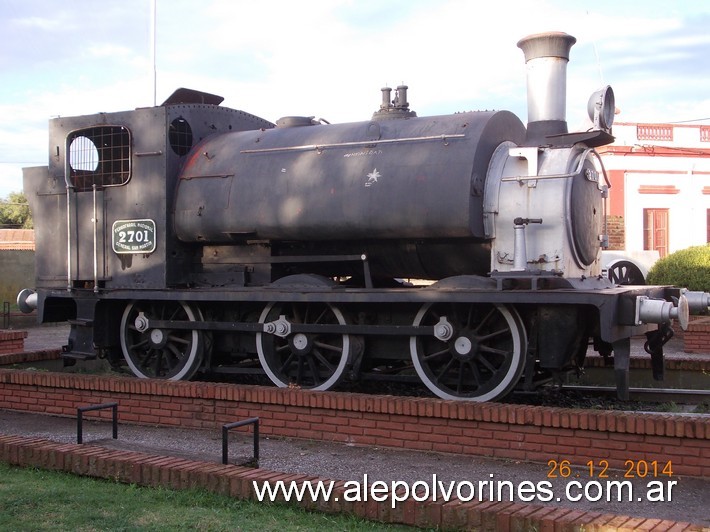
{"x":80,"y":345}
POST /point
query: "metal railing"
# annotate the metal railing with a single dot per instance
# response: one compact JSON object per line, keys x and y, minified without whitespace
{"x":225,"y":438}
{"x":80,"y":419}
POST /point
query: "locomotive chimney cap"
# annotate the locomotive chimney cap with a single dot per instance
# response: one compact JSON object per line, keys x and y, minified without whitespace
{"x":549,"y":44}
{"x":546,"y":58}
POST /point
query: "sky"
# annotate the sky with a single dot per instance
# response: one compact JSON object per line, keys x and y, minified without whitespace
{"x":329,"y":59}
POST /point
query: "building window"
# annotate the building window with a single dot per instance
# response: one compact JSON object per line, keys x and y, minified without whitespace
{"x":99,"y":156}
{"x":655,"y":230}
{"x":704,"y":133}
{"x":654,"y":132}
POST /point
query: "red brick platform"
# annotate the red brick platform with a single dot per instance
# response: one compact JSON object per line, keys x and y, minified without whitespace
{"x":12,"y":341}
{"x":507,"y":431}
{"x":697,"y":338}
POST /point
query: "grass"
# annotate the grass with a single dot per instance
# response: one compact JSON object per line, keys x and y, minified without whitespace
{"x":32,"y":499}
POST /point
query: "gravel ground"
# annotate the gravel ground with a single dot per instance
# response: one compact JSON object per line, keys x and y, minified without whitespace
{"x":690,"y":496}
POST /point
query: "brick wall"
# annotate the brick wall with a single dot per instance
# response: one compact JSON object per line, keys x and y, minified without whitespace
{"x":12,"y":341}
{"x":517,"y":432}
{"x":696,"y":339}
{"x":615,"y":229}
{"x":28,"y":357}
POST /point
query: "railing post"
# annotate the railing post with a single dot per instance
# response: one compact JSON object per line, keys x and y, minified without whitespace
{"x":80,"y":419}
{"x":5,"y":314}
{"x":225,"y":437}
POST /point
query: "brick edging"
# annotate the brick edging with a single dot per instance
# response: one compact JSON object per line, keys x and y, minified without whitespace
{"x":236,"y":481}
{"x":518,"y":432}
{"x":655,"y":424}
{"x":25,"y":357}
{"x":697,"y":338}
{"x":12,"y":341}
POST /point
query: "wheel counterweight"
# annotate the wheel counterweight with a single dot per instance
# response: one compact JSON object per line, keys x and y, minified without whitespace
{"x":483,"y":359}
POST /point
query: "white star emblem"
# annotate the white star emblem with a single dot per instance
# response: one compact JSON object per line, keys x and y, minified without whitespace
{"x":372,"y":177}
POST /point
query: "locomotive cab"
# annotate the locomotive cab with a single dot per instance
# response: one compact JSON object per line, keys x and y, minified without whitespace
{"x":104,"y":204}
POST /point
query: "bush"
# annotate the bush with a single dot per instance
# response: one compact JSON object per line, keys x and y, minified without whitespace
{"x":688,"y":268}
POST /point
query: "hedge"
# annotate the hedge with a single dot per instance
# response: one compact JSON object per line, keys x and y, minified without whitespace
{"x":689,"y":268}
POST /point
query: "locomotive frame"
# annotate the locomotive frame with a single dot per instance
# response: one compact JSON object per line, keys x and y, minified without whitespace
{"x":163,"y":253}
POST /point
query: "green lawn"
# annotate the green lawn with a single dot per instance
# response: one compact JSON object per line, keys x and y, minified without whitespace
{"x":32,"y":499}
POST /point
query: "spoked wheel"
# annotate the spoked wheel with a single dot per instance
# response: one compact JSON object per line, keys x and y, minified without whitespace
{"x":173,"y":354}
{"x":314,"y":361}
{"x":625,"y":272}
{"x":481,"y":361}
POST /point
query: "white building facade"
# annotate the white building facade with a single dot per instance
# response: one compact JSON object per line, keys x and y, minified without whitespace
{"x":660,"y":184}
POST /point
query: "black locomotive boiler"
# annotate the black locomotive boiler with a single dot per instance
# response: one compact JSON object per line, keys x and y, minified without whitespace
{"x":462,"y":251}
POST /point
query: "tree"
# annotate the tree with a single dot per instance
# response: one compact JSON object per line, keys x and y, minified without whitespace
{"x":15,"y":212}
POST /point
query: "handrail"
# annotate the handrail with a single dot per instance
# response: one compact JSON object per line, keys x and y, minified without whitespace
{"x":225,"y":433}
{"x":80,"y":419}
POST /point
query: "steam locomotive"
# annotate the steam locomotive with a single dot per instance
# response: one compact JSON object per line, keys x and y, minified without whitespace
{"x":462,"y":251}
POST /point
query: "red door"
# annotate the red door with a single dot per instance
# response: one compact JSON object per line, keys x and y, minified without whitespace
{"x":655,"y":230}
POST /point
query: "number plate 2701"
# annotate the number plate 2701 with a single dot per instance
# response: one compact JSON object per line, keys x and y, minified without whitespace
{"x":133,"y":236}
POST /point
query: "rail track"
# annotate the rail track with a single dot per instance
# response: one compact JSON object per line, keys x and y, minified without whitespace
{"x":650,"y":395}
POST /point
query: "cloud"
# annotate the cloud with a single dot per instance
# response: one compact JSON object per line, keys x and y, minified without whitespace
{"x":329,"y":58}
{"x":39,"y":23}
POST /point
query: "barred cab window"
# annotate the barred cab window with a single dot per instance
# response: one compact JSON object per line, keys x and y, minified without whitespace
{"x":180,"y":136}
{"x":99,"y":156}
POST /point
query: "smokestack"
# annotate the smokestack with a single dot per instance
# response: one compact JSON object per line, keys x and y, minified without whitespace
{"x":546,"y":58}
